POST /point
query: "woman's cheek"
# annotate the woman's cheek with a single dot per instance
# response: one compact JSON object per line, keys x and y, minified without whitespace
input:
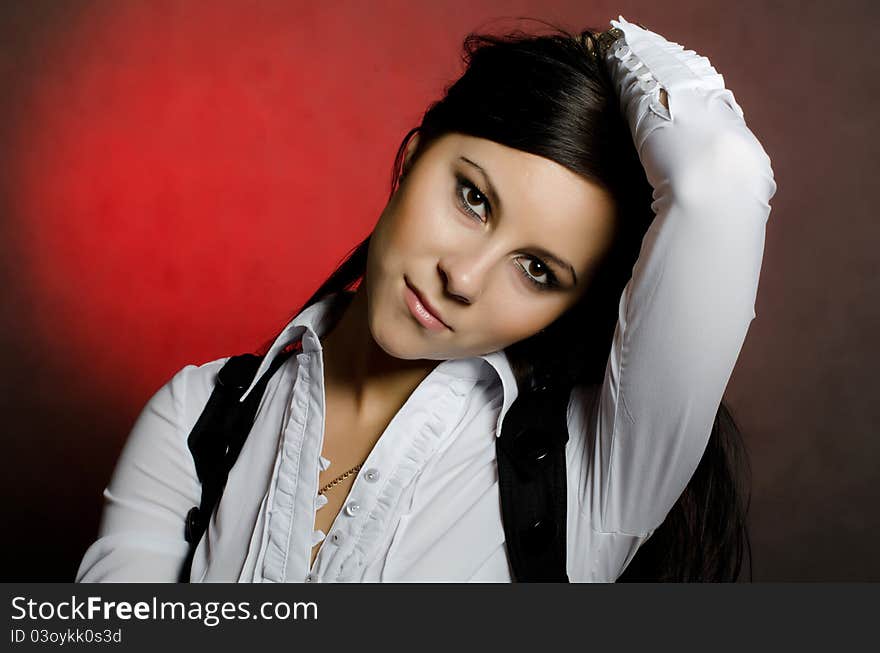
{"x":501,"y":323}
{"x":522,"y":316}
{"x":430,"y":231}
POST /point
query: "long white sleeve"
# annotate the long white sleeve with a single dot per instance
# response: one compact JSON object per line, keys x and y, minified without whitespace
{"x":684,"y":314}
{"x":154,"y":485}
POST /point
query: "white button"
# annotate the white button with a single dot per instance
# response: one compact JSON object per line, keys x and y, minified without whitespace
{"x":372,"y":475}
{"x":309,"y":578}
{"x":336,"y":537}
{"x":648,"y":85}
{"x":351,"y":509}
{"x":633,"y":63}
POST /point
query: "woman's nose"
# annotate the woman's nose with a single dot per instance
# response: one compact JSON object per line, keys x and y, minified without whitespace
{"x":464,"y":275}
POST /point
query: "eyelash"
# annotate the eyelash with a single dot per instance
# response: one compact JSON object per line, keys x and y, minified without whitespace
{"x":463,"y":182}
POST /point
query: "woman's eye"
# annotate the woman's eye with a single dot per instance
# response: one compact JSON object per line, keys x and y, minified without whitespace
{"x":536,"y":272}
{"x":472,"y":200}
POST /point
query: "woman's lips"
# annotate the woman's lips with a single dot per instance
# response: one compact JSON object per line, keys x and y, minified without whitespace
{"x":420,"y":311}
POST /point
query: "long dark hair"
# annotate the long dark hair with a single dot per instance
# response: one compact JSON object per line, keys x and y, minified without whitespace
{"x":547,"y":95}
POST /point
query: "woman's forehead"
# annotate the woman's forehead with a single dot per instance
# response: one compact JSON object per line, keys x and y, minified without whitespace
{"x":528,"y":177}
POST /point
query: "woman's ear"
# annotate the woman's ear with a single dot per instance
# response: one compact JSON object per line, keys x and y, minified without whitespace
{"x":410,"y":151}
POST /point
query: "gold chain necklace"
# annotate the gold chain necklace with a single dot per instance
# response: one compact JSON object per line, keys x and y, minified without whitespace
{"x":336,"y":481}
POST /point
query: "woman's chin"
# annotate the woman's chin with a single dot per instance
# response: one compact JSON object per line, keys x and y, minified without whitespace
{"x":390,"y":339}
{"x":401,"y":340}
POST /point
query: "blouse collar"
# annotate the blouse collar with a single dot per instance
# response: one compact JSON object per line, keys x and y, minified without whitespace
{"x":317,"y":319}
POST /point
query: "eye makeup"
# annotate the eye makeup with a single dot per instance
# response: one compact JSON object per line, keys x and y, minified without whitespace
{"x":551,"y":283}
{"x":463,"y":183}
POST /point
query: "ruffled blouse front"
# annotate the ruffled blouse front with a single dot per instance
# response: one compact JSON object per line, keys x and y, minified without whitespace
{"x":427,"y":429}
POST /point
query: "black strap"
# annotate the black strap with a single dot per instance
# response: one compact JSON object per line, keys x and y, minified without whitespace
{"x":530,"y":456}
{"x":218,"y":436}
{"x":532,"y":482}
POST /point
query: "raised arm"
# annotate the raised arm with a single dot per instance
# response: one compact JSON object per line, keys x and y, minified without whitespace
{"x":684,"y":314}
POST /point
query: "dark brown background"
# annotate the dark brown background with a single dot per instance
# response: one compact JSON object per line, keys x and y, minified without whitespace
{"x":804,"y":390}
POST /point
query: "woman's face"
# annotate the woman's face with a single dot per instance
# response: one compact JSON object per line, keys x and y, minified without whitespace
{"x":495,"y":242}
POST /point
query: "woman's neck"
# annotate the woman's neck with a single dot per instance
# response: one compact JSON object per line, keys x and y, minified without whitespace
{"x":357,"y":368}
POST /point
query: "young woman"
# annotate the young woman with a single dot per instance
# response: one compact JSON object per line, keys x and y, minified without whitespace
{"x":586,"y":211}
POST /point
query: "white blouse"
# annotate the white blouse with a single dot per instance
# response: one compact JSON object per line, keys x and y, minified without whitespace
{"x":425,"y":505}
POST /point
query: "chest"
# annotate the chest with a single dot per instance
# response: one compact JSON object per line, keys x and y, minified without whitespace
{"x":429,"y":508}
{"x":347,"y":444}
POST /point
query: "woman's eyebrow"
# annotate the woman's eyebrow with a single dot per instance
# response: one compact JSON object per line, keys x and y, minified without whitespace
{"x":490,"y":188}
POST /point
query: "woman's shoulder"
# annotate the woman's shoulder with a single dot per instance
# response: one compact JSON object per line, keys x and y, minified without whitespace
{"x":197,"y":379}
{"x":185,"y":394}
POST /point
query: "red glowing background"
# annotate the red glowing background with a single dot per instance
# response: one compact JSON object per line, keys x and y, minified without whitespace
{"x":194,"y":174}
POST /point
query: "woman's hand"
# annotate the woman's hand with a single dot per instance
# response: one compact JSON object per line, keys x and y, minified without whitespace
{"x":607,"y":38}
